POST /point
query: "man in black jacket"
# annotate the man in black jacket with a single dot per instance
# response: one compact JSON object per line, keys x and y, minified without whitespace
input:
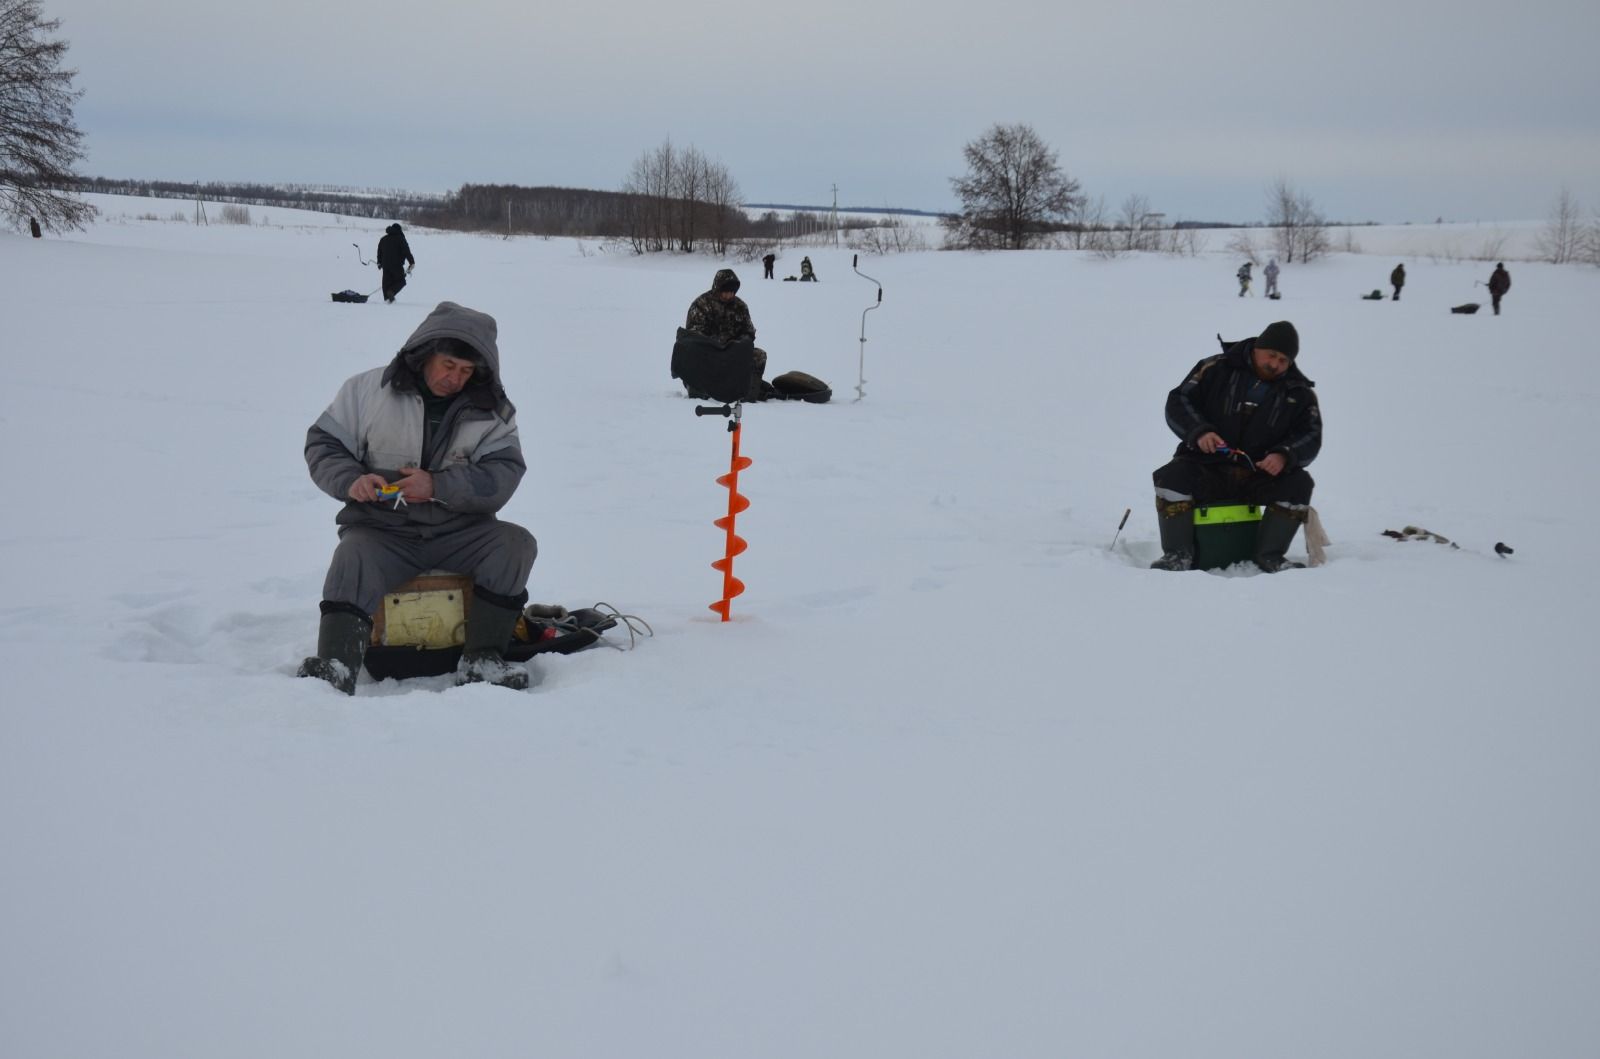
{"x":1499,"y":283}
{"x":1248,"y":424}
{"x":395,"y":260}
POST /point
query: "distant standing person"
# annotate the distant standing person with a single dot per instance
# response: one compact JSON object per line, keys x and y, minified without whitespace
{"x":807,"y":275}
{"x":33,"y":226}
{"x":767,"y":263}
{"x":1499,"y":283}
{"x":1271,"y":272}
{"x":1243,"y":276}
{"x":394,"y":258}
{"x":1397,"y":279}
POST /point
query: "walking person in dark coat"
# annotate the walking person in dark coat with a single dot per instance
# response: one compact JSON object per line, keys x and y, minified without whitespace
{"x":1397,"y":279}
{"x":1248,"y":423}
{"x":1499,"y":283}
{"x":767,"y":263}
{"x":394,"y":258}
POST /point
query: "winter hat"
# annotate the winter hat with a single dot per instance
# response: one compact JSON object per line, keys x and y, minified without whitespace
{"x":1282,"y":337}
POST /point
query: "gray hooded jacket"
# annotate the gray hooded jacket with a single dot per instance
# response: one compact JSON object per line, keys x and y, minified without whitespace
{"x":376,"y":424}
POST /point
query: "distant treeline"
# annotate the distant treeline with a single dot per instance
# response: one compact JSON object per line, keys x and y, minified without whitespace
{"x":515,"y":210}
{"x":505,"y":208}
{"x":323,"y":198}
{"x":648,"y":221}
{"x":891,"y":210}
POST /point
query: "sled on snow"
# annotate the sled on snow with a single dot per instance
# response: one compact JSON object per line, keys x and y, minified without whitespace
{"x":349,"y":296}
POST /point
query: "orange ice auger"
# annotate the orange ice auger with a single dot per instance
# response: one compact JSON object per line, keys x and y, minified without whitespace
{"x":731,"y":586}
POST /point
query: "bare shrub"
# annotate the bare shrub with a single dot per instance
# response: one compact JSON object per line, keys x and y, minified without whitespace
{"x":1138,"y":225}
{"x":1561,"y":239}
{"x":891,"y":236}
{"x":1244,"y":243}
{"x":233,"y":213}
{"x":1182,"y":241}
{"x":1493,"y":248}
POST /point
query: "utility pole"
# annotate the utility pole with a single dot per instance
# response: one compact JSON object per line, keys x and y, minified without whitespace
{"x":835,"y":215}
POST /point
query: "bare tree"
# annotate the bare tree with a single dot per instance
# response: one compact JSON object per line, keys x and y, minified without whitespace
{"x":1014,"y":192}
{"x":39,"y":142}
{"x":1591,"y":239}
{"x":1299,"y":231}
{"x":1314,"y":239}
{"x":689,"y":189}
{"x":679,"y":197}
{"x":723,"y":200}
{"x":650,"y":185}
{"x":1561,"y":239}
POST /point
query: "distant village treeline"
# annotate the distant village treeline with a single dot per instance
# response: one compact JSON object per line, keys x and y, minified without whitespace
{"x":648,"y":222}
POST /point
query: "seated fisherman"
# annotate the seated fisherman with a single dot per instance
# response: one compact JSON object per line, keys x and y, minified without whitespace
{"x":1248,"y":425}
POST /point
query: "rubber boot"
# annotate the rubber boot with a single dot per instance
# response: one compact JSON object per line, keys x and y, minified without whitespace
{"x":1177,"y":534}
{"x":1278,"y":527}
{"x":342,"y":640}
{"x":489,"y":630}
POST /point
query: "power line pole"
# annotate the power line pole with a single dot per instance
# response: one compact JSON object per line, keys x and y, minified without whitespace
{"x":835,"y":215}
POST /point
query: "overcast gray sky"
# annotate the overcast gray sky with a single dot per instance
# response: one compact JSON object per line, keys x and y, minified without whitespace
{"x":1382,"y":110}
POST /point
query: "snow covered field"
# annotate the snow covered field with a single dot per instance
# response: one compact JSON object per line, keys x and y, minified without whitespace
{"x":958,"y":780}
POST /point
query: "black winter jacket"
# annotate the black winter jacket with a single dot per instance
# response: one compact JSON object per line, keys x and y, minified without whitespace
{"x":393,"y":251}
{"x":1211,"y":398}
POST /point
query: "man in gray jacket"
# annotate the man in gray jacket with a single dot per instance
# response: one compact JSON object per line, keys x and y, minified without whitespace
{"x":423,"y":452}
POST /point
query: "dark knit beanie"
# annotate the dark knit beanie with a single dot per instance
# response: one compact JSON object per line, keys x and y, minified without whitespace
{"x":1282,"y":337}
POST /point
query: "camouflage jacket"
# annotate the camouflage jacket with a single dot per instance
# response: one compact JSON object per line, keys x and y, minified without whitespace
{"x":724,"y":321}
